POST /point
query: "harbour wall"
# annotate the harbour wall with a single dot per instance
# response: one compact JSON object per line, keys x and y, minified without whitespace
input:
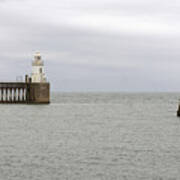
{"x":24,"y":92}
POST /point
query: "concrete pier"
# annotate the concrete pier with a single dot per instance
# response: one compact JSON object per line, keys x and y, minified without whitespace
{"x":24,"y":93}
{"x":13,"y":92}
{"x":38,"y":93}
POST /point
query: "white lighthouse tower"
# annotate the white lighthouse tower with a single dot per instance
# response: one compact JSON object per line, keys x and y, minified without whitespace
{"x":38,"y":74}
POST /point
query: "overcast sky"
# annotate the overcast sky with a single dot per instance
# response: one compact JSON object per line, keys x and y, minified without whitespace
{"x":90,"y":45}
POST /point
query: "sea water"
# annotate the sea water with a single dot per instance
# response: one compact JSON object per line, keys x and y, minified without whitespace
{"x":92,"y":136}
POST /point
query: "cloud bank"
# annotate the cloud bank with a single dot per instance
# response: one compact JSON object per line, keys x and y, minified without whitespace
{"x":103,"y":45}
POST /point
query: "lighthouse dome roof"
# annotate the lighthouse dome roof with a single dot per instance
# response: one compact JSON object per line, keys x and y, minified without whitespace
{"x":37,"y":54}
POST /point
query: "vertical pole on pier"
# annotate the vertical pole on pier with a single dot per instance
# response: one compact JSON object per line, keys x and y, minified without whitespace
{"x":10,"y":94}
{"x":28,"y":85}
{"x":2,"y":94}
{"x":15,"y":94}
{"x":6,"y":94}
{"x":18,"y":94}
{"x":26,"y":78}
{"x":23,"y":94}
{"x":25,"y":91}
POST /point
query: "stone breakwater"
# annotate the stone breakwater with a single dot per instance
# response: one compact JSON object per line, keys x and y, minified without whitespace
{"x":24,"y":92}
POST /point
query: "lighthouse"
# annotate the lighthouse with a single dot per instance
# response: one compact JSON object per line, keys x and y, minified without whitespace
{"x":35,"y":89}
{"x":38,"y":75}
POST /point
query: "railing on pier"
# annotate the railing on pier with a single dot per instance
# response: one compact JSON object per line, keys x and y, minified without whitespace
{"x":13,"y":92}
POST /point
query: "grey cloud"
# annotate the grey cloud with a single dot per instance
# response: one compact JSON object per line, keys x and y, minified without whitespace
{"x":78,"y":60}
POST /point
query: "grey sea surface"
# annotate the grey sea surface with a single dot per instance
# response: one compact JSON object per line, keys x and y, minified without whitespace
{"x":92,"y":136}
